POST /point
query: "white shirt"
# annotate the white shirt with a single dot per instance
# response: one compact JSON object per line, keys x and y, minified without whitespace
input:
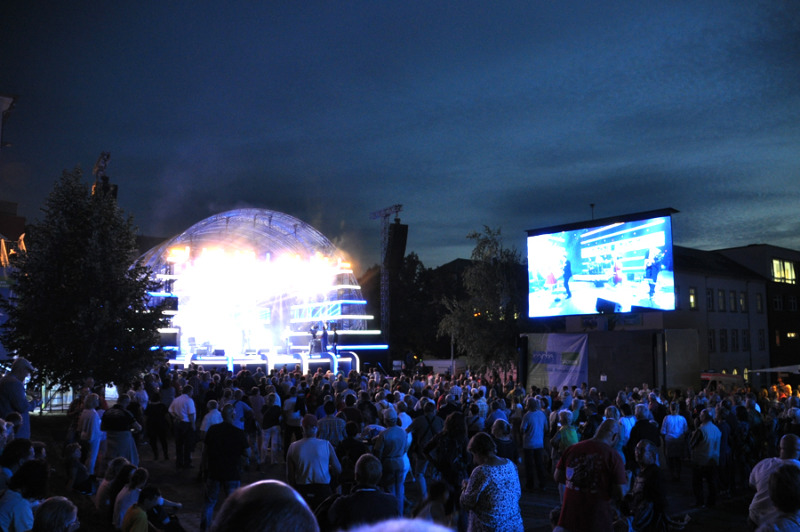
{"x":182,"y":407}
{"x":761,"y":508}
{"x":674,"y":426}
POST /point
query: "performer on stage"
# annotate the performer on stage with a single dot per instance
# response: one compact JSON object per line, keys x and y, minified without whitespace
{"x":567,"y":273}
{"x":652,"y":265}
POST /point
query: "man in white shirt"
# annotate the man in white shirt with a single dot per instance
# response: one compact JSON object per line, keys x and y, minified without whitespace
{"x":762,"y":507}
{"x":309,"y":464}
{"x":184,"y":415}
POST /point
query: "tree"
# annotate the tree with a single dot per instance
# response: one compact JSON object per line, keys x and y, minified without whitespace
{"x":78,"y":304}
{"x":485,"y":324}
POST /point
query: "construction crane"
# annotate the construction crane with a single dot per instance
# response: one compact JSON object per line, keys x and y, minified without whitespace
{"x":385,"y":214}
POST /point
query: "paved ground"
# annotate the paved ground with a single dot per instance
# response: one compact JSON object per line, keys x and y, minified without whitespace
{"x":182,"y":486}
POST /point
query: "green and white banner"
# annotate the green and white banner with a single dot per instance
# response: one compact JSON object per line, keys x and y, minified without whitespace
{"x":556,"y":360}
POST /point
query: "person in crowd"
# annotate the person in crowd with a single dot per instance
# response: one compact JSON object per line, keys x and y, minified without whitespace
{"x":293,"y":412}
{"x":784,"y":491}
{"x":492,"y":493}
{"x":646,"y":504}
{"x":271,"y":417}
{"x":120,"y":481}
{"x":593,"y":474}
{"x":437,"y":507}
{"x":128,"y":495}
{"x":674,"y":430}
{"x":331,"y":427}
{"x":16,"y":453}
{"x":645,"y":429}
{"x":761,"y":507}
{"x":56,"y":514}
{"x":532,"y":431}
{"x":135,"y":518}
{"x":28,"y":486}
{"x":422,"y":429}
{"x":311,"y":463}
{"x":101,"y":498}
{"x":226,"y":449}
{"x":184,"y":415}
{"x":13,"y":397}
{"x":348,"y":452}
{"x":78,"y":477}
{"x":447,"y":451}
{"x":705,"y":458}
{"x":566,"y":436}
{"x":157,"y":425}
{"x":119,"y":424}
{"x":89,"y":429}
{"x":366,"y":503}
{"x":266,"y":506}
{"x":391,"y":447}
{"x":504,"y":441}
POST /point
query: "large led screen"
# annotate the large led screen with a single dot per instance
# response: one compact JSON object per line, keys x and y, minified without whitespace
{"x":607,"y":266}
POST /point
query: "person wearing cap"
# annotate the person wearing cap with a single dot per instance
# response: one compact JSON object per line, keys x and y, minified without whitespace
{"x":310,"y":462}
{"x":391,"y":447}
{"x":12,"y":395}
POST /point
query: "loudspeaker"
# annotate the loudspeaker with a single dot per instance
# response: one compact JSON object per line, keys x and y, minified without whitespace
{"x":396,"y":246}
{"x":604,"y":306}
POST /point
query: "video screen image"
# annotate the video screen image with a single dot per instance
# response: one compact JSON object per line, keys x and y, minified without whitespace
{"x":615,"y":267}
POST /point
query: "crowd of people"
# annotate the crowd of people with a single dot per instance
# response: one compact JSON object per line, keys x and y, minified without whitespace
{"x":350,"y":443}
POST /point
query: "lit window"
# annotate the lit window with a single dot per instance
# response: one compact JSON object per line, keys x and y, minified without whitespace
{"x":791,"y":335}
{"x":783,"y":271}
{"x":693,"y":298}
{"x":742,"y":301}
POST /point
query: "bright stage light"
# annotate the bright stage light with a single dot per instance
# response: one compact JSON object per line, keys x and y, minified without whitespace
{"x":251,"y":280}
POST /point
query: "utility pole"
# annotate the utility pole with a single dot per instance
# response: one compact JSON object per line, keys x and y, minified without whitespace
{"x":385,"y":214}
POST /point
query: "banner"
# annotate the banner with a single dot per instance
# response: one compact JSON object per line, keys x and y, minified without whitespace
{"x":556,"y":360}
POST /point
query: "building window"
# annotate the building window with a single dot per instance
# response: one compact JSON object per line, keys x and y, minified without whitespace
{"x":721,"y":300}
{"x":723,"y":340}
{"x":710,"y":299}
{"x":783,"y":271}
{"x":712,"y":340}
{"x":692,"y":298}
{"x":777,"y":302}
{"x":791,"y":302}
{"x":745,"y":340}
{"x":760,"y":303}
{"x":732,"y":300}
{"x":734,"y":340}
{"x":742,"y":301}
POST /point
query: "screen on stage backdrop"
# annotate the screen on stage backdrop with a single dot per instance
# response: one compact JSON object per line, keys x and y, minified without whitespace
{"x":606,"y":266}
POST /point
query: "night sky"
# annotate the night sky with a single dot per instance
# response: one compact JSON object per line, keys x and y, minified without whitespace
{"x":514,"y":115}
